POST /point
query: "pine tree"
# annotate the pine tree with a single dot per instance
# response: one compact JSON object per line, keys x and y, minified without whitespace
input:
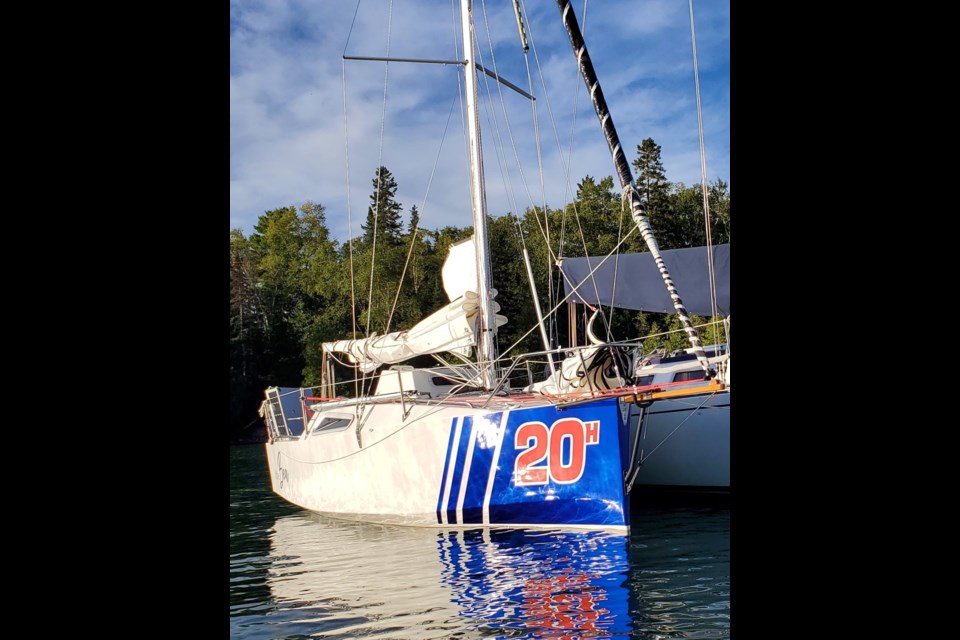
{"x":654,"y":189}
{"x":414,"y":223}
{"x":383,"y":214}
{"x":418,"y":249}
{"x":651,"y":180}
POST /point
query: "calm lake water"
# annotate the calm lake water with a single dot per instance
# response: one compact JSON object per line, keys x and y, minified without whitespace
{"x":294,"y":574}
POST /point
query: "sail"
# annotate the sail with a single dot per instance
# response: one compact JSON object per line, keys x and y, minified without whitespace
{"x":632,"y":280}
{"x":453,"y":328}
{"x":459,"y":272}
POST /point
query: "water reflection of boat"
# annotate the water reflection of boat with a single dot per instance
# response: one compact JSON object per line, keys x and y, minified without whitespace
{"x":349,"y":577}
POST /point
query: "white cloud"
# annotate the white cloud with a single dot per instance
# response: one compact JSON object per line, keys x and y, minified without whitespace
{"x":287,"y":122}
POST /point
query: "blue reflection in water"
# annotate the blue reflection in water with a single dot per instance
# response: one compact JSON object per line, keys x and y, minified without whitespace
{"x":539,"y":583}
{"x":351,"y":579}
{"x":295,"y":574}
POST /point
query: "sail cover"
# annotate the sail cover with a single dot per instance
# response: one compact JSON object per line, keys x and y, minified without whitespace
{"x":453,"y":328}
{"x":632,"y":281}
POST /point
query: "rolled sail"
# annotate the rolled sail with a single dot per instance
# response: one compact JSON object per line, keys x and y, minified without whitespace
{"x":451,"y":329}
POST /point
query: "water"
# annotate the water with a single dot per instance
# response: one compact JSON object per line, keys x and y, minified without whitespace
{"x":295,"y":574}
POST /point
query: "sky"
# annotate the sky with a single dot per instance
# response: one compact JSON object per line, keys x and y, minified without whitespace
{"x":290,"y":140}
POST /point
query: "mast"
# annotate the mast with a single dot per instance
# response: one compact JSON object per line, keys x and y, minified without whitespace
{"x":624,"y":174}
{"x":486,"y":352}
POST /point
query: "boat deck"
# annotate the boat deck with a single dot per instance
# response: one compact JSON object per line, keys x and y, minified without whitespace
{"x":509,"y":400}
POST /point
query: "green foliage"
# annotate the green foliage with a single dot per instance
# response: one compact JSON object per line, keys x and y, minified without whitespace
{"x":650,"y":324}
{"x":246,"y":330}
{"x":593,"y":221}
{"x":290,"y":281}
{"x":676,"y":210}
{"x":509,"y":278}
{"x":285,"y":295}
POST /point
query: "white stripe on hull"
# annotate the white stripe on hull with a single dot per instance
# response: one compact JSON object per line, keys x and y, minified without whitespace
{"x":452,"y":458}
{"x":498,"y":446}
{"x":464,"y":477}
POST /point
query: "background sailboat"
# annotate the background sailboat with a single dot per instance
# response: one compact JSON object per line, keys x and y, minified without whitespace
{"x":685,"y":442}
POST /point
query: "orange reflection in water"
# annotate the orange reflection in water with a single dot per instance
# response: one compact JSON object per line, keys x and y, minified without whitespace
{"x":566,"y":602}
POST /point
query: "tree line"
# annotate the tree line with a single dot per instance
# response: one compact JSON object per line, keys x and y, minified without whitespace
{"x":290,"y":281}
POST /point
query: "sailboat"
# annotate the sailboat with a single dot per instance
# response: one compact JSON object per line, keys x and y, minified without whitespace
{"x":460,"y":445}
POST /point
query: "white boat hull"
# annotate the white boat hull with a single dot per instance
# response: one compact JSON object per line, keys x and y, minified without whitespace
{"x":533,"y":465}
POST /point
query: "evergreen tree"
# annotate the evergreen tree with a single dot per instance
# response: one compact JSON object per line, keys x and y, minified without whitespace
{"x":381,"y":264}
{"x":654,"y":189}
{"x":599,"y":212}
{"x":651,"y":180}
{"x":383,"y":214}
{"x":414,"y":223}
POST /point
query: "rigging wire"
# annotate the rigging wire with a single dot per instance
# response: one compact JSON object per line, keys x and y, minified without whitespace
{"x":608,"y":321}
{"x":423,"y":206}
{"x":492,"y":118}
{"x":573,"y":288}
{"x":703,"y":173}
{"x":501,"y":157}
{"x":616,"y":271}
{"x":376,"y":204}
{"x":553,"y":123}
{"x":367,"y":381}
{"x":565,"y":163}
{"x":568,"y":162}
{"x":573,"y":130}
{"x":350,"y":32}
{"x":506,"y":118}
{"x":676,"y":428}
{"x":552,"y":327}
{"x":521,"y":10}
